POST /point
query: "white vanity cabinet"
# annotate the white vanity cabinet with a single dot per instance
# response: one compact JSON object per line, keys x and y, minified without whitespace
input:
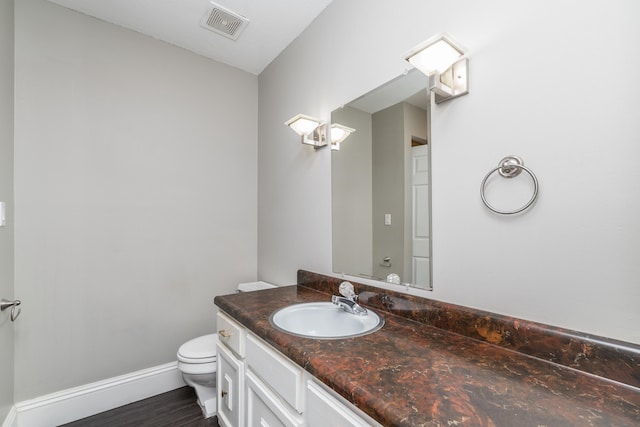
{"x":230,"y":372}
{"x":230,"y":385}
{"x":260,"y":387}
{"x":264,"y":408}
{"x":323,"y":409}
{"x":274,"y":394}
{"x":276,"y":370}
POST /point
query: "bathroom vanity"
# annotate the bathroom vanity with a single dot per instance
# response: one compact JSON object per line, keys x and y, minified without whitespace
{"x":430,"y":364}
{"x":258,"y":386}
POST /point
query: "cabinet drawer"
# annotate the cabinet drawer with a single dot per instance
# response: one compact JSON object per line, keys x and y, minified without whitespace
{"x":231,"y":333}
{"x":284,"y":377}
{"x":325,"y":410}
{"x":265,"y":409}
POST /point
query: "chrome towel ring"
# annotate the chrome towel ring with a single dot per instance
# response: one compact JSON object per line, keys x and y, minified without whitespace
{"x":509,"y":167}
{"x":15,"y":307}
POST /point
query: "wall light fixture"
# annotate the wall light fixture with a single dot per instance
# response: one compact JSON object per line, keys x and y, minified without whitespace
{"x":338,"y":134}
{"x":443,"y":60}
{"x":313,"y":131}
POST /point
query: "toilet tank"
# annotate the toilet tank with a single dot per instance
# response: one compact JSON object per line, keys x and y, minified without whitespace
{"x":254,"y":286}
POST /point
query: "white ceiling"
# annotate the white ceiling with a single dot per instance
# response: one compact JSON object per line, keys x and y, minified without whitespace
{"x":273,"y":25}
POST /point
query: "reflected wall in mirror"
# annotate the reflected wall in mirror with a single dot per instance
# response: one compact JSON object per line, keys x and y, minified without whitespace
{"x":380,"y":184}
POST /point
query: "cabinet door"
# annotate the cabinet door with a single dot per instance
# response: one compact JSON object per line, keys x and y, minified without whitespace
{"x":230,"y":388}
{"x":324,"y":410}
{"x":264,"y":409}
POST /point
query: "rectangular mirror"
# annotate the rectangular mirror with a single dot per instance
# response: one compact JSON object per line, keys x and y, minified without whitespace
{"x":381,"y":185}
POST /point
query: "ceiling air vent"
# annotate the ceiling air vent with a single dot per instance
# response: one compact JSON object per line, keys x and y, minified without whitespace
{"x":223,"y":21}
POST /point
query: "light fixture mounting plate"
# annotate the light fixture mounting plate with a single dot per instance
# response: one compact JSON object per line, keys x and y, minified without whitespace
{"x":451,"y":83}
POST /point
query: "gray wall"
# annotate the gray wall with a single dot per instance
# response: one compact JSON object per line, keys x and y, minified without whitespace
{"x":136,"y":192}
{"x":352,"y":195}
{"x":388,"y":179}
{"x":541,"y":87}
{"x":6,"y":195}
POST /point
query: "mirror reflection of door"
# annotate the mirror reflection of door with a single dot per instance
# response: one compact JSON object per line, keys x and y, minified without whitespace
{"x":420,"y":225}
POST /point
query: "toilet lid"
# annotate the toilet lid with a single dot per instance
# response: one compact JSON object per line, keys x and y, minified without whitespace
{"x":202,"y":349}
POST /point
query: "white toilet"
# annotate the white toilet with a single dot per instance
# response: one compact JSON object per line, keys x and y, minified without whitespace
{"x":197,"y":361}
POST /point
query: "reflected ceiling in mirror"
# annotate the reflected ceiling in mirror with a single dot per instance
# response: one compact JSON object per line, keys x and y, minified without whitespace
{"x":381,"y":185}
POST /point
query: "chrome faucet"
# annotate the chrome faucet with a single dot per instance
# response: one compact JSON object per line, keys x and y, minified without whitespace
{"x":348,"y":300}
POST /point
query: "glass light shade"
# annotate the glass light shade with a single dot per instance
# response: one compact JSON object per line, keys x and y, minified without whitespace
{"x":339,"y":133}
{"x":435,"y":55}
{"x":302,"y":124}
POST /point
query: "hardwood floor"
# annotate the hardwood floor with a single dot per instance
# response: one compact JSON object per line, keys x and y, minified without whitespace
{"x":177,"y":408}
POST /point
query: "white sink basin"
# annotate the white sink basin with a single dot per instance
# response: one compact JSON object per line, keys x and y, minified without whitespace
{"x":324,"y":320}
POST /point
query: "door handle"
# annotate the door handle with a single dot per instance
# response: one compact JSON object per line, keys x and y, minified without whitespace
{"x":15,"y":307}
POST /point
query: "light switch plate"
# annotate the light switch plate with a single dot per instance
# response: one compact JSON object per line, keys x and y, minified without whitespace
{"x":387,"y":219}
{"x":3,"y":214}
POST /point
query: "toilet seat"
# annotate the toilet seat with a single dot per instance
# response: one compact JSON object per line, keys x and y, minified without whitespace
{"x":199,"y":350}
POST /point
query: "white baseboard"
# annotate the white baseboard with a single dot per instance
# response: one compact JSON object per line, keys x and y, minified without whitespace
{"x":11,"y":420}
{"x":90,"y":399}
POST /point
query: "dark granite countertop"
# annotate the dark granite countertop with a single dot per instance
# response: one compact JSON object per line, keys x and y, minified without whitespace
{"x":415,"y":374}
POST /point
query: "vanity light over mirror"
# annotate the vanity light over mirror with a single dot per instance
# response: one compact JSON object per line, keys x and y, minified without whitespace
{"x":442,"y":59}
{"x":381,"y":185}
{"x":313,"y":131}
